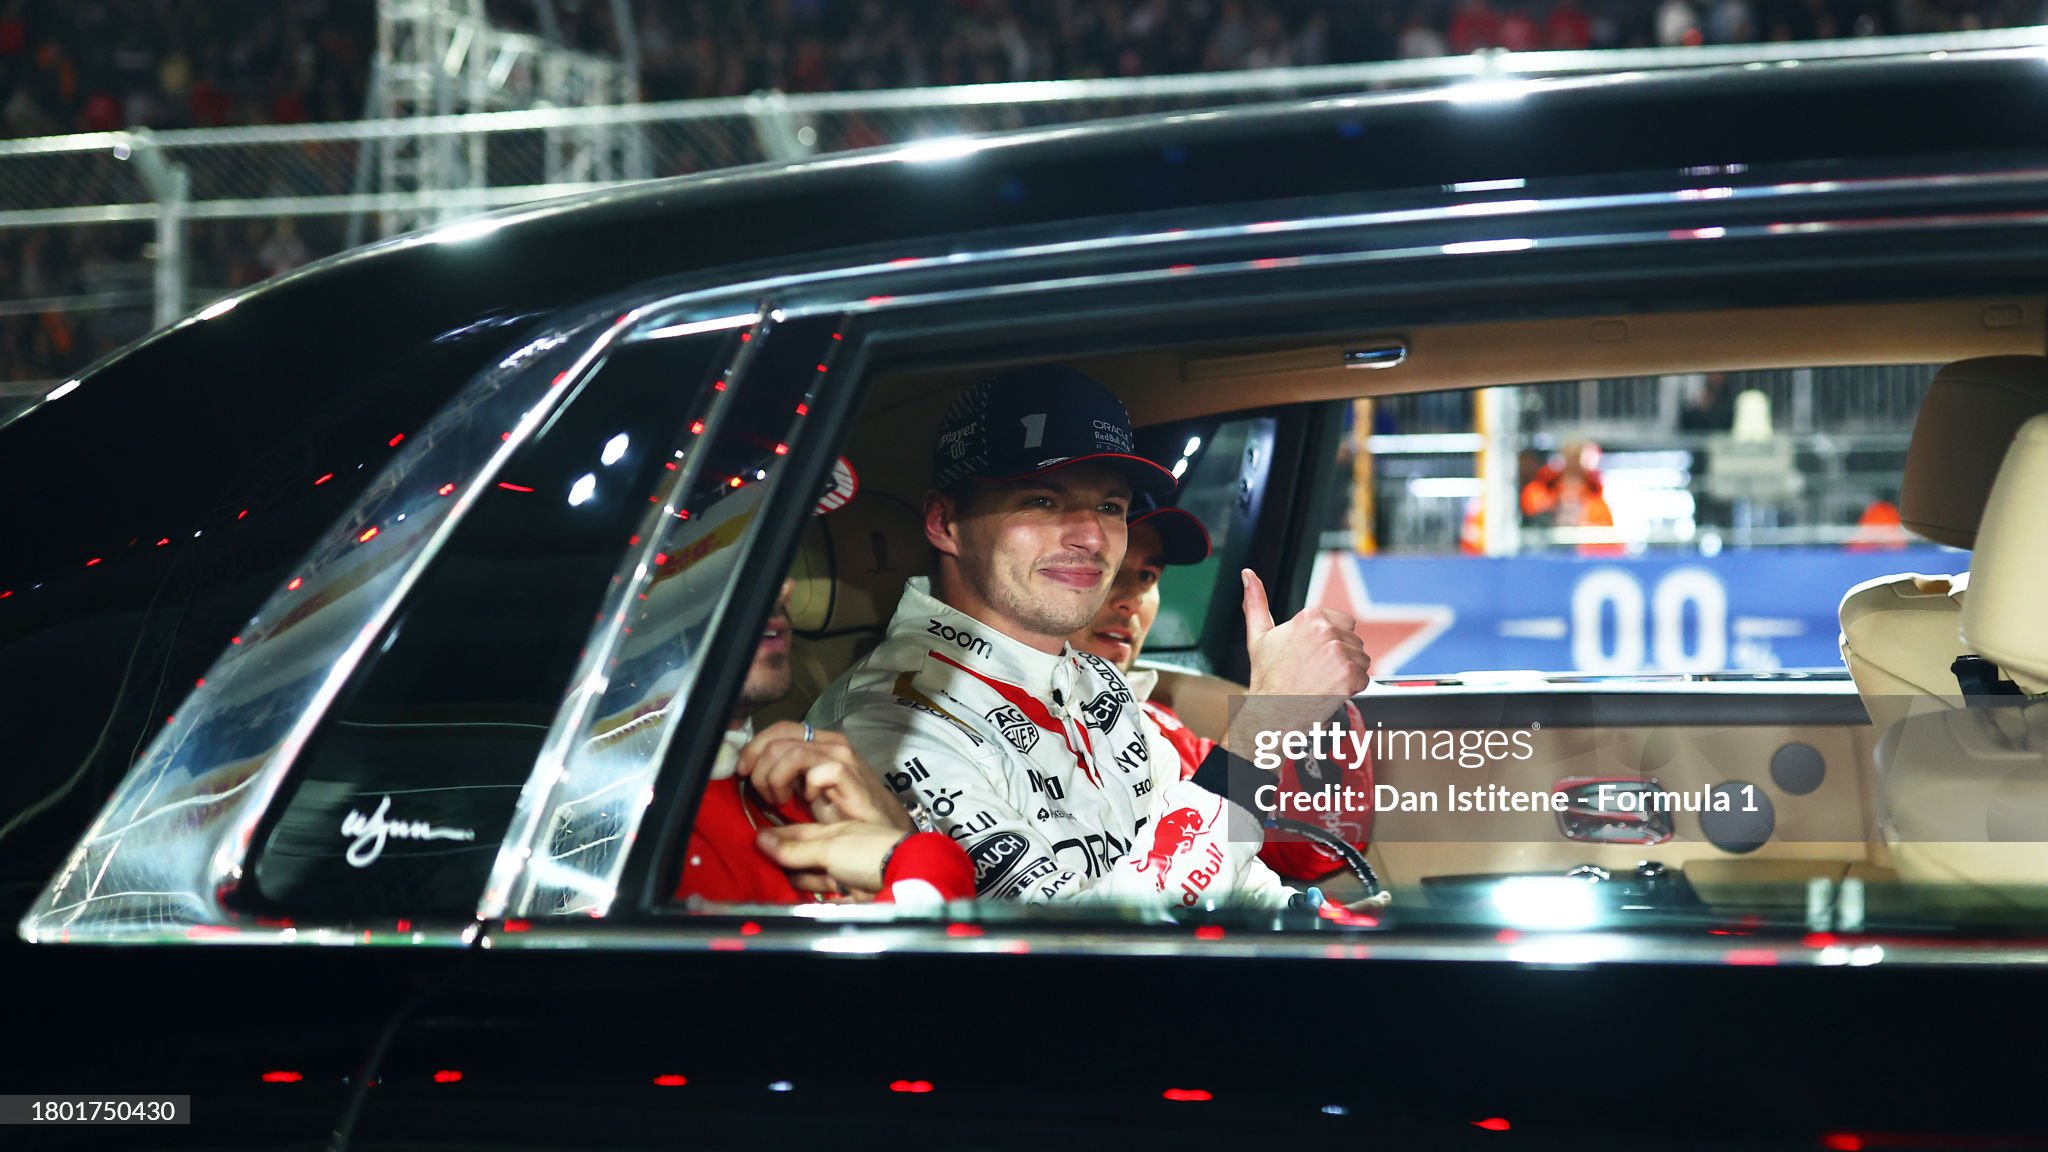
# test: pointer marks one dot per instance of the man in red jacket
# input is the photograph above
(792, 815)
(1160, 537)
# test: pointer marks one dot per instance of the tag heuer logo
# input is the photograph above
(1017, 728)
(1103, 710)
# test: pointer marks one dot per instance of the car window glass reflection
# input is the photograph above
(437, 736)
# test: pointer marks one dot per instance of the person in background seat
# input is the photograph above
(1162, 536)
(792, 815)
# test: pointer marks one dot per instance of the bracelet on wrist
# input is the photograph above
(891, 855)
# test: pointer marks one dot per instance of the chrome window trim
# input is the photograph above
(848, 289)
(1789, 192)
(848, 935)
(564, 777)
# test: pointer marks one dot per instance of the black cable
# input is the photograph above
(1352, 857)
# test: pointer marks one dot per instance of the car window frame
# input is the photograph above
(980, 287)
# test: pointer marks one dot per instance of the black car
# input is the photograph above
(367, 638)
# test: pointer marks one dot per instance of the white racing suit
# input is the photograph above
(1041, 766)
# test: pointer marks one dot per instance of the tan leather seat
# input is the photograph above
(1900, 633)
(1964, 792)
(849, 574)
(2006, 618)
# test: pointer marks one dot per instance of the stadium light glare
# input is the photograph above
(941, 148)
(463, 230)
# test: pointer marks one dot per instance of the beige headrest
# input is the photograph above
(1970, 414)
(850, 571)
(2005, 617)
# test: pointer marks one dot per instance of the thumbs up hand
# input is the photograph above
(1302, 671)
(1318, 653)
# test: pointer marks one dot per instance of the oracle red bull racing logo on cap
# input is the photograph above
(1112, 437)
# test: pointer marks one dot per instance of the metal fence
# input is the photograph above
(107, 235)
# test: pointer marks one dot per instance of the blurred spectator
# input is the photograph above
(1708, 406)
(1473, 28)
(1567, 492)
(1567, 27)
(1419, 38)
(1731, 22)
(1516, 32)
(1677, 24)
(1879, 529)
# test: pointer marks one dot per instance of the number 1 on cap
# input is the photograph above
(1034, 430)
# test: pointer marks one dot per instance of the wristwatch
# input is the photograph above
(918, 816)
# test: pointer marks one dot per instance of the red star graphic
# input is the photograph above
(1394, 634)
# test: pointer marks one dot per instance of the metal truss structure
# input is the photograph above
(445, 58)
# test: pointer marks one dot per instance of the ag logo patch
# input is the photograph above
(1016, 727)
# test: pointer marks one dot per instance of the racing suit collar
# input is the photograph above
(1141, 682)
(958, 636)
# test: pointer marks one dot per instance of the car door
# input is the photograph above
(594, 990)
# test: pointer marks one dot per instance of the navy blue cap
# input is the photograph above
(1036, 419)
(1182, 539)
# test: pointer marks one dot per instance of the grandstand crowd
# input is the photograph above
(92, 65)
